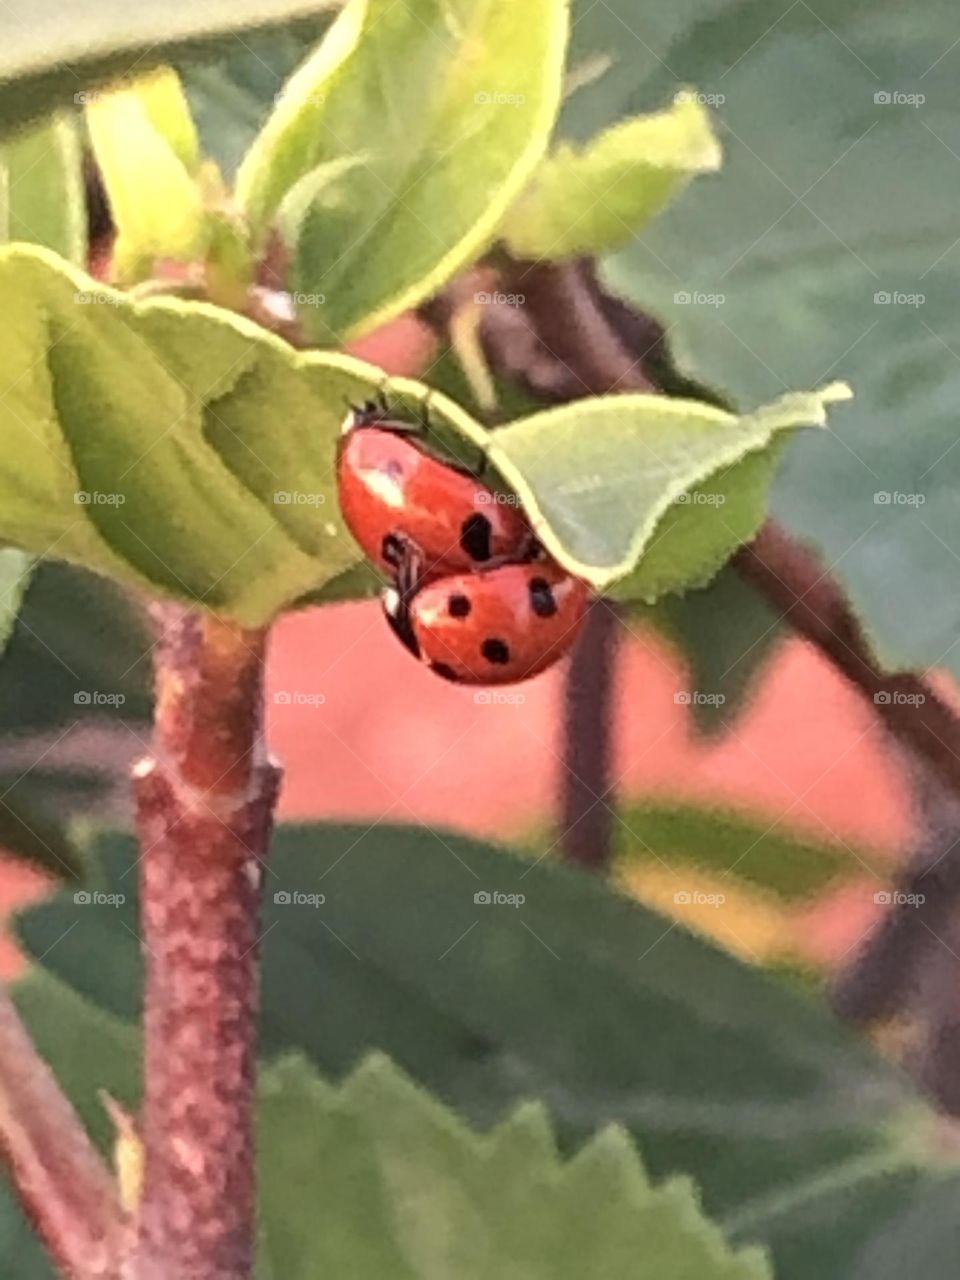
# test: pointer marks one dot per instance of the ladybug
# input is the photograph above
(494, 627)
(392, 492)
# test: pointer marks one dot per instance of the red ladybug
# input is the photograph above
(493, 627)
(393, 493)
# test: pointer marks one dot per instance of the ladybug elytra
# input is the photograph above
(497, 626)
(394, 493)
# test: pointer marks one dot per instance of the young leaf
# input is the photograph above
(41, 188)
(15, 569)
(452, 101)
(376, 1179)
(141, 136)
(595, 198)
(596, 477)
(165, 105)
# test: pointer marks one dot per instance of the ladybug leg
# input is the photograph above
(396, 599)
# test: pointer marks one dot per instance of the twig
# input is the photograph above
(65, 1187)
(205, 802)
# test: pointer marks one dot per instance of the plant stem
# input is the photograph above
(587, 820)
(205, 802)
(66, 1189)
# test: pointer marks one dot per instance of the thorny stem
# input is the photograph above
(66, 1189)
(205, 801)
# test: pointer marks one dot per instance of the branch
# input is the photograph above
(205, 803)
(790, 577)
(66, 1189)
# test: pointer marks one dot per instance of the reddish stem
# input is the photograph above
(205, 802)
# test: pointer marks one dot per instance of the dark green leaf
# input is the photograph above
(717, 1069)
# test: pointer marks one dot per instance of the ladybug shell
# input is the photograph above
(495, 627)
(391, 491)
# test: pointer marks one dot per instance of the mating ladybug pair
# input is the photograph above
(474, 595)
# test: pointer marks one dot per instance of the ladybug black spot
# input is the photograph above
(459, 606)
(496, 651)
(541, 598)
(448, 673)
(475, 535)
(392, 549)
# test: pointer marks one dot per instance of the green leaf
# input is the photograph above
(171, 445)
(449, 104)
(726, 633)
(801, 232)
(798, 1133)
(50, 51)
(143, 141)
(377, 1179)
(79, 652)
(597, 477)
(41, 182)
(42, 201)
(15, 568)
(33, 831)
(594, 198)
(721, 842)
(232, 94)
